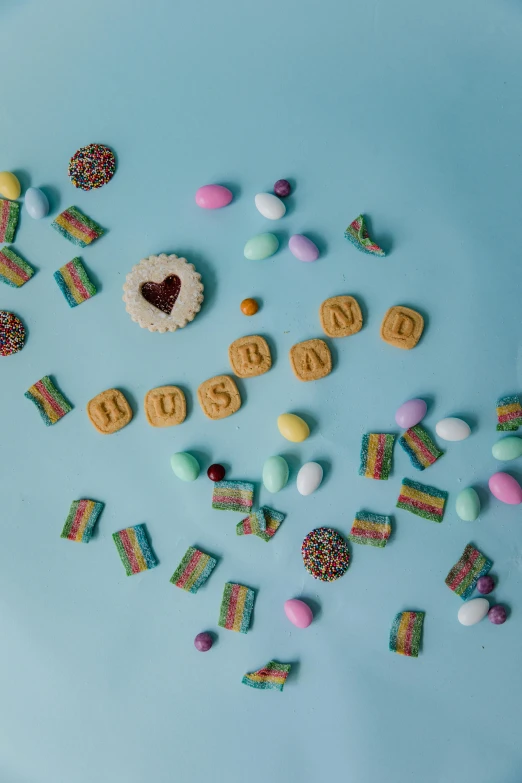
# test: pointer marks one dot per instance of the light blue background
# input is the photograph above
(409, 112)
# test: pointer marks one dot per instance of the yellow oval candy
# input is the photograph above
(9, 185)
(293, 427)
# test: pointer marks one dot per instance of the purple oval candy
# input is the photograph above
(505, 488)
(497, 614)
(411, 413)
(303, 248)
(486, 585)
(203, 642)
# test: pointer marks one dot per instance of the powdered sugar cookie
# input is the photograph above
(163, 293)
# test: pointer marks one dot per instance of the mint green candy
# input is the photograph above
(261, 246)
(185, 466)
(467, 505)
(508, 448)
(275, 473)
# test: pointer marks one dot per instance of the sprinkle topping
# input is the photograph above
(12, 333)
(325, 554)
(92, 166)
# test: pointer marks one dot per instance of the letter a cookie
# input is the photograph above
(219, 397)
(250, 356)
(311, 360)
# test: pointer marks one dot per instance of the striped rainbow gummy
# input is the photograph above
(368, 528)
(464, 575)
(252, 525)
(81, 520)
(419, 447)
(14, 270)
(236, 607)
(406, 632)
(9, 213)
(509, 413)
(271, 677)
(233, 495)
(194, 570)
(376, 455)
(74, 282)
(273, 521)
(357, 233)
(422, 500)
(134, 549)
(77, 227)
(49, 400)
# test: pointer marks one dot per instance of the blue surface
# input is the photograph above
(407, 112)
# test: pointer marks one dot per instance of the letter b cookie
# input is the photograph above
(250, 356)
(219, 397)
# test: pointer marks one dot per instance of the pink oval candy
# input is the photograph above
(506, 488)
(298, 613)
(213, 197)
(411, 413)
(303, 248)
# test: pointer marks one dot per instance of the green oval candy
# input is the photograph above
(275, 473)
(508, 448)
(467, 504)
(261, 246)
(185, 466)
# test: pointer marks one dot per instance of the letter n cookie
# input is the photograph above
(402, 327)
(311, 360)
(109, 411)
(219, 397)
(165, 406)
(250, 356)
(340, 316)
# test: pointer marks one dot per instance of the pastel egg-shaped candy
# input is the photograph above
(293, 427)
(261, 246)
(411, 413)
(452, 429)
(467, 505)
(303, 248)
(36, 203)
(275, 474)
(9, 185)
(508, 448)
(185, 466)
(309, 478)
(505, 488)
(298, 613)
(472, 612)
(213, 196)
(270, 206)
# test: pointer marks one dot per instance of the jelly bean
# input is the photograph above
(9, 185)
(505, 488)
(293, 427)
(275, 474)
(213, 197)
(36, 203)
(309, 478)
(249, 307)
(185, 466)
(473, 611)
(452, 429)
(410, 413)
(303, 248)
(298, 613)
(261, 246)
(270, 206)
(508, 448)
(467, 505)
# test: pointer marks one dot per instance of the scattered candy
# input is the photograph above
(292, 427)
(270, 206)
(9, 214)
(411, 413)
(81, 520)
(134, 549)
(465, 574)
(509, 413)
(236, 607)
(49, 400)
(213, 197)
(233, 495)
(74, 283)
(472, 612)
(77, 227)
(452, 429)
(309, 478)
(505, 488)
(508, 448)
(303, 248)
(261, 246)
(194, 570)
(12, 333)
(270, 677)
(9, 185)
(14, 271)
(216, 472)
(298, 613)
(184, 466)
(273, 521)
(406, 633)
(325, 554)
(282, 188)
(203, 642)
(36, 203)
(376, 456)
(252, 525)
(92, 166)
(419, 447)
(485, 585)
(357, 234)
(467, 505)
(275, 474)
(424, 501)
(497, 614)
(249, 307)
(372, 529)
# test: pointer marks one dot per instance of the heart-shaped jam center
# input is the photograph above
(162, 295)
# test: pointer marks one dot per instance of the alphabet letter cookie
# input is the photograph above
(340, 316)
(311, 360)
(109, 411)
(165, 406)
(402, 327)
(250, 356)
(219, 397)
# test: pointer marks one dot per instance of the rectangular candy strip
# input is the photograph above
(14, 271)
(81, 520)
(49, 400)
(509, 413)
(252, 525)
(422, 500)
(372, 529)
(419, 447)
(9, 213)
(406, 632)
(464, 575)
(194, 570)
(270, 677)
(233, 495)
(77, 227)
(273, 521)
(74, 282)
(134, 549)
(236, 607)
(376, 455)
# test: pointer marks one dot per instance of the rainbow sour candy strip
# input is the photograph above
(9, 212)
(372, 529)
(81, 520)
(357, 234)
(406, 632)
(464, 575)
(233, 495)
(376, 455)
(270, 677)
(273, 521)
(14, 270)
(49, 400)
(194, 570)
(252, 525)
(134, 549)
(422, 500)
(77, 227)
(509, 413)
(236, 607)
(419, 447)
(74, 282)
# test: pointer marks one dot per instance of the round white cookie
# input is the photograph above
(163, 293)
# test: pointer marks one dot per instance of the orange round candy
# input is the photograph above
(249, 307)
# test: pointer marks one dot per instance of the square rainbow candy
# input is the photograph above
(271, 677)
(419, 447)
(509, 413)
(81, 520)
(14, 271)
(406, 633)
(134, 549)
(422, 500)
(252, 525)
(464, 575)
(357, 234)
(372, 529)
(273, 521)
(233, 495)
(77, 227)
(74, 282)
(194, 570)
(9, 213)
(236, 607)
(49, 400)
(376, 455)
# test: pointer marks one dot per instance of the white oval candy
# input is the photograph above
(309, 478)
(270, 206)
(452, 429)
(472, 612)
(36, 203)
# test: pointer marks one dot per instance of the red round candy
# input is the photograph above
(216, 472)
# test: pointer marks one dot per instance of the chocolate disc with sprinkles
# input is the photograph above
(92, 166)
(12, 333)
(325, 554)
